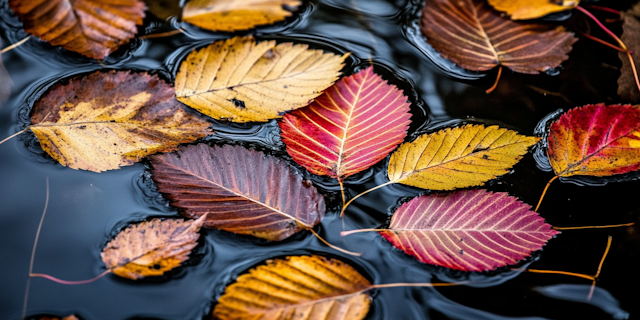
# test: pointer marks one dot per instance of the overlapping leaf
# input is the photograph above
(232, 15)
(106, 120)
(297, 288)
(458, 157)
(93, 28)
(151, 248)
(349, 128)
(241, 190)
(243, 81)
(595, 140)
(470, 230)
(532, 9)
(475, 37)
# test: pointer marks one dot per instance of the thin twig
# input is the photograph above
(346, 233)
(13, 135)
(332, 246)
(396, 285)
(15, 45)
(598, 40)
(596, 227)
(362, 194)
(54, 279)
(495, 84)
(545, 192)
(162, 34)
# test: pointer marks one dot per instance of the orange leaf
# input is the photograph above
(532, 9)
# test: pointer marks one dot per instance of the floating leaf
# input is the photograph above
(106, 120)
(349, 128)
(627, 87)
(243, 81)
(151, 248)
(90, 27)
(532, 9)
(243, 191)
(475, 37)
(298, 287)
(458, 157)
(232, 15)
(470, 230)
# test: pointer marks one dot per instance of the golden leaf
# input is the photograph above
(233, 15)
(296, 288)
(242, 81)
(151, 248)
(106, 120)
(458, 158)
(532, 9)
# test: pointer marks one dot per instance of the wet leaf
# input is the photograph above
(353, 125)
(532, 9)
(164, 9)
(627, 87)
(243, 191)
(243, 81)
(458, 157)
(232, 15)
(5, 82)
(103, 121)
(469, 230)
(297, 288)
(151, 248)
(475, 37)
(595, 140)
(90, 27)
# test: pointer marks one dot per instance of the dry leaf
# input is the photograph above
(242, 81)
(106, 120)
(532, 9)
(233, 15)
(458, 158)
(151, 248)
(297, 288)
(627, 87)
(93, 28)
(241, 190)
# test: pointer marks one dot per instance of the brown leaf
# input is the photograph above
(103, 121)
(93, 28)
(471, 34)
(243, 191)
(627, 88)
(297, 288)
(5, 82)
(151, 248)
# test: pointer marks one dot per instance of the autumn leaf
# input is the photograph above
(353, 125)
(151, 248)
(231, 15)
(103, 121)
(627, 87)
(532, 9)
(243, 191)
(243, 81)
(93, 28)
(298, 287)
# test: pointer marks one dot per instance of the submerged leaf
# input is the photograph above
(595, 140)
(532, 9)
(107, 120)
(151, 248)
(458, 157)
(233, 15)
(297, 288)
(243, 81)
(241, 190)
(354, 124)
(470, 230)
(90, 27)
(475, 37)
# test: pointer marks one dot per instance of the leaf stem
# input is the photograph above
(362, 194)
(427, 284)
(596, 227)
(343, 197)
(346, 233)
(573, 274)
(588, 36)
(15, 45)
(332, 246)
(495, 84)
(605, 9)
(13, 135)
(162, 34)
(545, 192)
(46, 276)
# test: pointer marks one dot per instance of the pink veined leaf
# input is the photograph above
(469, 230)
(350, 127)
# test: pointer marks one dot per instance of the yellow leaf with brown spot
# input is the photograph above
(532, 9)
(234, 15)
(244, 81)
(151, 248)
(107, 120)
(460, 157)
(297, 288)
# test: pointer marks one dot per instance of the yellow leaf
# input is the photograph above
(234, 15)
(151, 248)
(242, 81)
(458, 158)
(532, 9)
(297, 288)
(106, 120)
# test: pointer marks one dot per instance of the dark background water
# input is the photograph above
(87, 209)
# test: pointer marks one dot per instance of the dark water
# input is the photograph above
(87, 209)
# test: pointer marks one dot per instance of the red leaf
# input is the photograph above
(470, 230)
(350, 127)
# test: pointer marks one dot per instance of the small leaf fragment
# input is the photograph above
(627, 86)
(532, 9)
